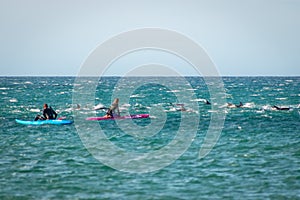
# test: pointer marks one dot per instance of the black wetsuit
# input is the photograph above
(49, 113)
(277, 108)
(112, 110)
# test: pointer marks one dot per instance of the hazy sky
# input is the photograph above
(242, 37)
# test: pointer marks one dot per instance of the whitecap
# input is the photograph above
(267, 116)
(281, 99)
(228, 96)
(198, 100)
(34, 110)
(99, 106)
(248, 105)
(68, 109)
(123, 109)
(13, 100)
(267, 107)
(223, 106)
(260, 111)
(231, 106)
(171, 110)
(174, 91)
(136, 96)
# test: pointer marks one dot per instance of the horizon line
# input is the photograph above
(149, 76)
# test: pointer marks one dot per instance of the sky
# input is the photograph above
(242, 37)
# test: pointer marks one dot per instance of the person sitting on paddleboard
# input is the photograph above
(113, 111)
(48, 113)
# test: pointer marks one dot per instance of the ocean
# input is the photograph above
(256, 154)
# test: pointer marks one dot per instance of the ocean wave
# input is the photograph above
(13, 100)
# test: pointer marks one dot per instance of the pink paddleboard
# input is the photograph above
(139, 116)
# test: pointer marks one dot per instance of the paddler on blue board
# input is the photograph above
(48, 113)
(113, 111)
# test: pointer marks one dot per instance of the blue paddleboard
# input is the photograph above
(41, 122)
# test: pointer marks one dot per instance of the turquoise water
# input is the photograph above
(256, 157)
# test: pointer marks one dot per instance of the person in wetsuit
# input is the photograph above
(113, 111)
(279, 108)
(230, 105)
(181, 107)
(207, 102)
(48, 113)
(240, 105)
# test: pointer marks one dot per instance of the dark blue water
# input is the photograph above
(256, 157)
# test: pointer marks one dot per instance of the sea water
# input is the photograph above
(257, 155)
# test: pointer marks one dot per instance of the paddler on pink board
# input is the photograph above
(113, 111)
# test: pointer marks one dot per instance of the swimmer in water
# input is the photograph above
(181, 107)
(207, 102)
(230, 105)
(178, 107)
(240, 105)
(279, 108)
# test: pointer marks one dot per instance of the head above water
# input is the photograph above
(45, 105)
